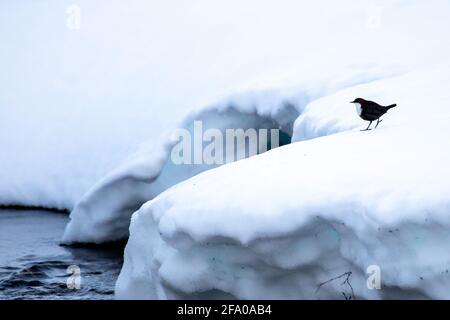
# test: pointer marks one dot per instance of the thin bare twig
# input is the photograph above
(347, 276)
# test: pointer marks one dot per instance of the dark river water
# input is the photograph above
(34, 266)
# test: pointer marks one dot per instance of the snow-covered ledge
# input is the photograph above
(103, 213)
(308, 219)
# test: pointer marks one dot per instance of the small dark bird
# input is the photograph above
(370, 111)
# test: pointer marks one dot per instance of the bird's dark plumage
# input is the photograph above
(371, 111)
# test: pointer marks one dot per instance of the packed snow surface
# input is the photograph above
(280, 224)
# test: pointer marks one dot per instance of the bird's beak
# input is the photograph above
(352, 101)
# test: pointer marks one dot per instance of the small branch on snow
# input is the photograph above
(347, 276)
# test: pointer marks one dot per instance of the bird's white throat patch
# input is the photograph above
(358, 108)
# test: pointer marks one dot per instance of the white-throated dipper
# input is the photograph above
(370, 111)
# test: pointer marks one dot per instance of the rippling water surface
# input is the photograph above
(34, 266)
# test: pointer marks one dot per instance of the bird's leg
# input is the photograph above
(378, 122)
(368, 127)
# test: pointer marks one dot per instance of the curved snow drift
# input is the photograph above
(313, 211)
(104, 213)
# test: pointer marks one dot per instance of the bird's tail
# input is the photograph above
(391, 106)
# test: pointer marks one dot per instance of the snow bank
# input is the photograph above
(103, 214)
(307, 219)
